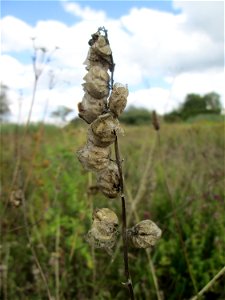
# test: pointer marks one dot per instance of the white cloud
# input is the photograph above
(185, 50)
(85, 13)
(16, 34)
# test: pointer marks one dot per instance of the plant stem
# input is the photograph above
(124, 221)
(209, 284)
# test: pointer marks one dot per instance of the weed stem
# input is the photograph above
(124, 221)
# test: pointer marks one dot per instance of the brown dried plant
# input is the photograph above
(101, 110)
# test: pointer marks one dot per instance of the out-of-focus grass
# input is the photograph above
(184, 195)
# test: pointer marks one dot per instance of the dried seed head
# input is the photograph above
(155, 120)
(103, 231)
(105, 214)
(97, 82)
(118, 99)
(94, 59)
(94, 158)
(16, 197)
(145, 234)
(102, 131)
(108, 181)
(90, 108)
(102, 47)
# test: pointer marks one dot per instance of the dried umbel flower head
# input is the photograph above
(97, 82)
(103, 231)
(90, 108)
(145, 234)
(118, 99)
(102, 131)
(109, 181)
(94, 158)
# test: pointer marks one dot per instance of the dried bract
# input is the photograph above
(102, 131)
(94, 158)
(145, 234)
(108, 181)
(118, 99)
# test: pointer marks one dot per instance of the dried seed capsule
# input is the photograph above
(94, 158)
(90, 108)
(102, 131)
(102, 47)
(105, 214)
(108, 180)
(95, 60)
(97, 82)
(118, 99)
(103, 231)
(145, 234)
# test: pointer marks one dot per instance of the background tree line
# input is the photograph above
(194, 105)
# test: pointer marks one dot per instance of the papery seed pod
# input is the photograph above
(16, 197)
(103, 231)
(118, 99)
(97, 82)
(102, 131)
(145, 234)
(102, 48)
(94, 59)
(89, 111)
(105, 214)
(108, 181)
(94, 158)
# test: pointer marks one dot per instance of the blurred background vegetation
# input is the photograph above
(183, 193)
(174, 176)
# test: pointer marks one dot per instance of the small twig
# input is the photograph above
(124, 221)
(209, 284)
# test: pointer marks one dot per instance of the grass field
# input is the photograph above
(175, 178)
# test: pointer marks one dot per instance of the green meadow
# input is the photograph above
(174, 177)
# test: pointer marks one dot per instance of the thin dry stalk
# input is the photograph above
(209, 284)
(90, 201)
(124, 222)
(177, 222)
(33, 250)
(57, 251)
(147, 251)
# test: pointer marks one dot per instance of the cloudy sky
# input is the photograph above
(162, 50)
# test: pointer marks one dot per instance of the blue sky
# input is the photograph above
(32, 11)
(163, 49)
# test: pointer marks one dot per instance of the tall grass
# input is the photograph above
(183, 189)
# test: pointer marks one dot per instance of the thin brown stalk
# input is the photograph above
(57, 242)
(124, 222)
(90, 201)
